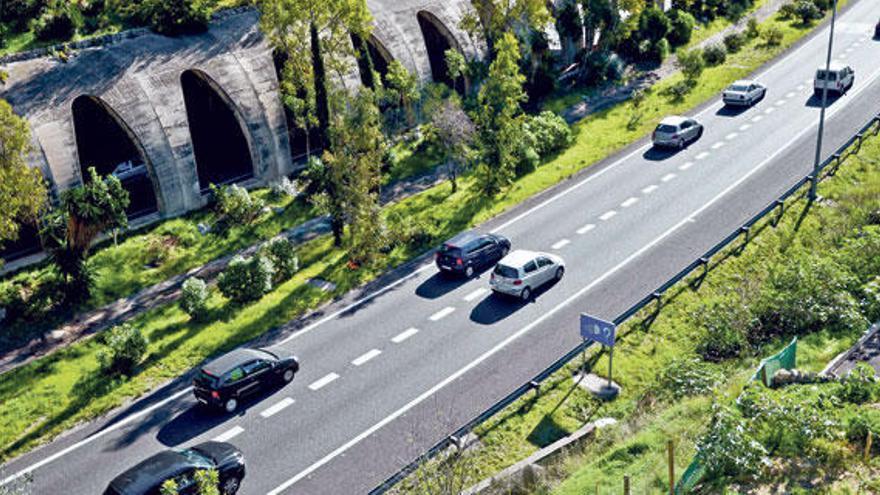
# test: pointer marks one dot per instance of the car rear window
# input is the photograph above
(666, 128)
(450, 250)
(207, 378)
(823, 75)
(506, 271)
(737, 87)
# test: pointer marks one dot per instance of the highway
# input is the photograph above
(384, 379)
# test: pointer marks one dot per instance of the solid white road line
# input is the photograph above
(320, 383)
(731, 136)
(683, 166)
(718, 145)
(607, 215)
(650, 189)
(443, 313)
(475, 294)
(229, 434)
(277, 408)
(668, 177)
(405, 335)
(366, 357)
(702, 155)
(745, 127)
(560, 244)
(586, 228)
(428, 393)
(629, 202)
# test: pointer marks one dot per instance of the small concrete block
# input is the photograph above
(603, 422)
(597, 385)
(57, 335)
(324, 285)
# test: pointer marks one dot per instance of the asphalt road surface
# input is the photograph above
(383, 380)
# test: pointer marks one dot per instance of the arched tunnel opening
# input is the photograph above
(28, 243)
(302, 142)
(221, 150)
(438, 39)
(104, 141)
(375, 55)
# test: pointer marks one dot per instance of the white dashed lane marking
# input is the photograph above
(404, 335)
(607, 215)
(703, 155)
(683, 166)
(229, 434)
(277, 408)
(745, 127)
(780, 103)
(790, 94)
(586, 228)
(443, 313)
(366, 357)
(668, 177)
(800, 87)
(732, 135)
(769, 110)
(629, 202)
(322, 382)
(473, 295)
(757, 118)
(650, 189)
(717, 145)
(561, 244)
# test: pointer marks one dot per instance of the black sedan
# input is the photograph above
(469, 252)
(147, 477)
(225, 381)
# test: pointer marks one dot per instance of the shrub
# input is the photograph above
(726, 325)
(686, 377)
(194, 298)
(859, 385)
(598, 67)
(658, 51)
(207, 481)
(17, 13)
(727, 448)
(752, 28)
(871, 299)
(176, 17)
(653, 25)
(314, 177)
(54, 24)
(236, 204)
(787, 11)
(772, 36)
(860, 423)
(714, 54)
(691, 63)
(551, 132)
(681, 26)
(807, 11)
(676, 92)
(734, 42)
(282, 253)
(125, 346)
(246, 279)
(283, 188)
(408, 231)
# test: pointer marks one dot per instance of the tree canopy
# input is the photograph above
(22, 189)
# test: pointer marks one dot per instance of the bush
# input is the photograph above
(282, 253)
(787, 11)
(752, 28)
(772, 36)
(860, 423)
(653, 25)
(685, 377)
(859, 385)
(314, 177)
(283, 188)
(598, 67)
(734, 42)
(176, 17)
(246, 279)
(125, 348)
(17, 13)
(54, 24)
(807, 11)
(726, 325)
(727, 448)
(676, 92)
(714, 55)
(681, 26)
(194, 298)
(659, 51)
(236, 204)
(691, 63)
(551, 133)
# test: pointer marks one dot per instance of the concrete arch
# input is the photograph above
(135, 154)
(380, 57)
(437, 39)
(241, 147)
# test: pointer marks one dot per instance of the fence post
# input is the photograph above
(626, 484)
(670, 451)
(780, 209)
(868, 446)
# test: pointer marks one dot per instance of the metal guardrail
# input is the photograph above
(829, 166)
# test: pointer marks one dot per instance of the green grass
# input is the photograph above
(51, 394)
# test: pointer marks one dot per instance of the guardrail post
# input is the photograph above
(626, 484)
(536, 387)
(745, 231)
(877, 128)
(780, 209)
(813, 184)
(861, 137)
(833, 169)
(698, 281)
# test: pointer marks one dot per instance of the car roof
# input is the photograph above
(518, 258)
(232, 359)
(743, 82)
(463, 238)
(146, 474)
(675, 120)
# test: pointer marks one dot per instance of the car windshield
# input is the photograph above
(506, 271)
(666, 128)
(737, 87)
(823, 75)
(197, 458)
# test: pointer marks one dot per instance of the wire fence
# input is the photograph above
(827, 168)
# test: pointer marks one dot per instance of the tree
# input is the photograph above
(401, 90)
(455, 134)
(22, 190)
(493, 19)
(125, 349)
(314, 37)
(86, 211)
(194, 298)
(500, 119)
(691, 64)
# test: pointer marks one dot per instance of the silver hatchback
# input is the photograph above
(677, 132)
(521, 272)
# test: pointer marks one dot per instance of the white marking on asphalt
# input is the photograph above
(475, 294)
(229, 434)
(745, 127)
(702, 155)
(366, 357)
(668, 177)
(769, 110)
(800, 87)
(717, 145)
(277, 408)
(322, 382)
(732, 135)
(404, 335)
(841, 56)
(848, 50)
(683, 166)
(607, 215)
(586, 228)
(443, 313)
(629, 202)
(780, 103)
(808, 81)
(650, 189)
(790, 94)
(561, 244)
(757, 118)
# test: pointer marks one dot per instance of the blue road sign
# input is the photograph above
(601, 331)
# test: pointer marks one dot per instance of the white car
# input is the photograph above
(744, 92)
(838, 79)
(521, 272)
(677, 132)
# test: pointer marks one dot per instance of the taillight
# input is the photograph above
(458, 261)
(436, 254)
(215, 394)
(517, 282)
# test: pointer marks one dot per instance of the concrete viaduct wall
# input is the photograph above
(138, 77)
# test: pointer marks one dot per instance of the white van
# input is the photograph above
(838, 79)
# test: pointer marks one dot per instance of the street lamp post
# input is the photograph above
(815, 180)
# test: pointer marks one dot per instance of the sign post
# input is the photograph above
(605, 333)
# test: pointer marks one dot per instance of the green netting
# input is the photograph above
(691, 476)
(784, 359)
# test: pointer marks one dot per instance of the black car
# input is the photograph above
(226, 380)
(147, 477)
(469, 252)
(877, 31)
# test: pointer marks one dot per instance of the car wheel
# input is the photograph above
(288, 375)
(469, 272)
(680, 144)
(230, 486)
(699, 133)
(526, 294)
(230, 405)
(560, 272)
